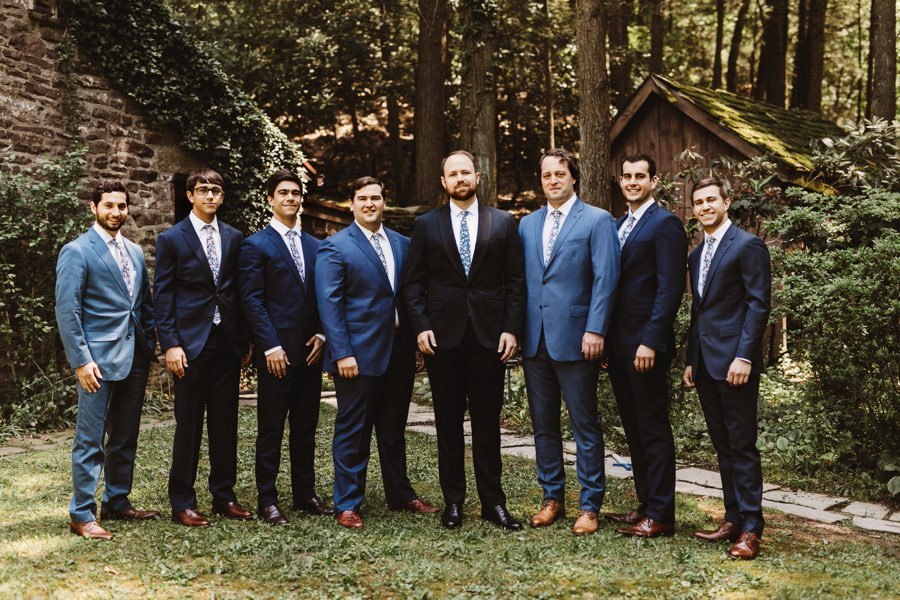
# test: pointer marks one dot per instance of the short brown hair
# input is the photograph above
(107, 187)
(465, 153)
(636, 158)
(278, 176)
(566, 157)
(203, 176)
(723, 185)
(362, 182)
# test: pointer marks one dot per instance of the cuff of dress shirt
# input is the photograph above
(271, 350)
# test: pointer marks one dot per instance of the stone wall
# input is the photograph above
(121, 141)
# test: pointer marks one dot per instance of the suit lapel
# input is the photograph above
(636, 230)
(399, 257)
(192, 239)
(106, 257)
(538, 234)
(448, 240)
(137, 263)
(567, 227)
(721, 251)
(362, 242)
(484, 238)
(281, 249)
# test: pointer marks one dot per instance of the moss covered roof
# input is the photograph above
(783, 134)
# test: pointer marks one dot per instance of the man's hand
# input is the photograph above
(245, 360)
(738, 373)
(176, 361)
(315, 355)
(89, 377)
(592, 345)
(426, 342)
(277, 363)
(507, 346)
(420, 362)
(688, 377)
(644, 359)
(347, 367)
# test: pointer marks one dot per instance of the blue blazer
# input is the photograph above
(729, 320)
(651, 285)
(574, 293)
(280, 307)
(356, 302)
(98, 321)
(186, 295)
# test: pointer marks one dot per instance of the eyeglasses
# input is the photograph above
(204, 191)
(283, 194)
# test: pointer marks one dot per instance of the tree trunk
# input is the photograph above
(478, 102)
(720, 36)
(620, 14)
(395, 149)
(883, 50)
(771, 83)
(657, 36)
(430, 101)
(734, 52)
(809, 60)
(593, 105)
(548, 81)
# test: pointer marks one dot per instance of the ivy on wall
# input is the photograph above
(150, 57)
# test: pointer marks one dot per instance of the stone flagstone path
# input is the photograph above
(690, 480)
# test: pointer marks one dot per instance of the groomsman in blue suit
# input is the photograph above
(571, 270)
(202, 331)
(731, 279)
(105, 318)
(642, 345)
(277, 282)
(370, 351)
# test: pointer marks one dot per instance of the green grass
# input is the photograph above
(401, 555)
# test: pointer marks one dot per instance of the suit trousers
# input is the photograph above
(114, 413)
(643, 402)
(295, 398)
(731, 418)
(545, 380)
(472, 375)
(210, 385)
(365, 402)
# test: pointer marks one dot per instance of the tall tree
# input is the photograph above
(430, 102)
(593, 107)
(620, 14)
(720, 37)
(734, 52)
(548, 75)
(771, 81)
(883, 58)
(657, 36)
(387, 36)
(809, 59)
(478, 97)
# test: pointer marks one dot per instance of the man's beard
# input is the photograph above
(105, 224)
(462, 194)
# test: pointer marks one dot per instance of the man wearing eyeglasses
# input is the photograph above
(277, 283)
(202, 331)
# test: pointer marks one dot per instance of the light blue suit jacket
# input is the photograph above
(98, 321)
(574, 293)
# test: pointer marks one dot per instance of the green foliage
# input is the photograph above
(152, 58)
(39, 213)
(867, 157)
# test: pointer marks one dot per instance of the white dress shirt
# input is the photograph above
(107, 238)
(471, 221)
(637, 216)
(565, 209)
(217, 236)
(385, 244)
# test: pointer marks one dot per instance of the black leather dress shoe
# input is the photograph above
(499, 516)
(452, 516)
(272, 515)
(314, 506)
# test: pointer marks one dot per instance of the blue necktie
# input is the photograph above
(629, 225)
(465, 242)
(295, 253)
(554, 231)
(707, 260)
(213, 257)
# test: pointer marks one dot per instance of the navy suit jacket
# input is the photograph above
(574, 293)
(651, 285)
(186, 295)
(280, 308)
(356, 301)
(440, 297)
(98, 321)
(729, 320)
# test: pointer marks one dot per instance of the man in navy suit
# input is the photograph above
(571, 270)
(105, 318)
(202, 331)
(731, 278)
(277, 283)
(465, 290)
(642, 344)
(370, 352)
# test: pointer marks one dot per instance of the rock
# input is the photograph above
(879, 525)
(810, 500)
(693, 489)
(866, 509)
(806, 512)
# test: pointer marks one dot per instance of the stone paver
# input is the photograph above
(866, 509)
(807, 499)
(570, 447)
(693, 489)
(10, 450)
(569, 458)
(895, 517)
(879, 525)
(510, 441)
(806, 512)
(707, 478)
(614, 471)
(420, 417)
(523, 451)
(427, 429)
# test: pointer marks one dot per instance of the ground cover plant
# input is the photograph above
(399, 555)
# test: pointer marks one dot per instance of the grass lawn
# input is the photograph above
(401, 555)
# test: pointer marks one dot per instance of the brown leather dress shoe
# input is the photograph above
(272, 515)
(551, 511)
(128, 514)
(90, 530)
(416, 505)
(746, 548)
(232, 510)
(349, 519)
(585, 522)
(726, 531)
(647, 528)
(631, 518)
(314, 506)
(190, 518)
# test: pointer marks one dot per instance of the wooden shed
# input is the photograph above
(665, 117)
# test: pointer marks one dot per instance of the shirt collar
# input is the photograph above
(640, 212)
(720, 232)
(105, 235)
(198, 223)
(370, 234)
(566, 206)
(282, 229)
(455, 210)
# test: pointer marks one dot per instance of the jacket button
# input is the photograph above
(128, 337)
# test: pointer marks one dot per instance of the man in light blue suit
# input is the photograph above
(571, 271)
(370, 351)
(105, 319)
